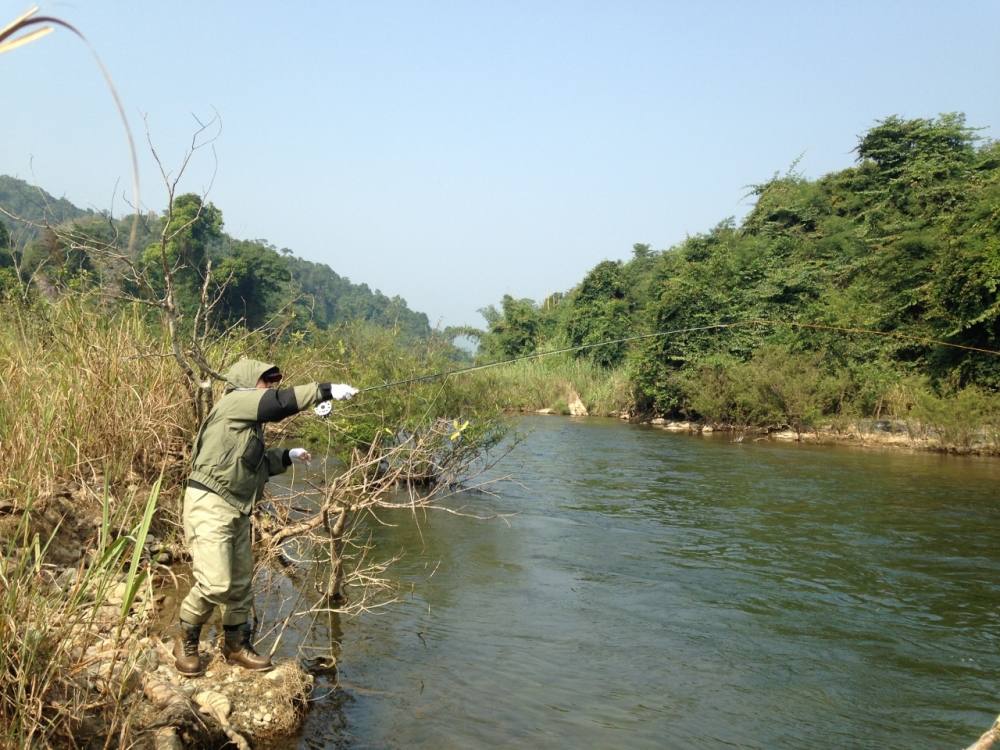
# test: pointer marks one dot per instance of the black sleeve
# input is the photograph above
(325, 391)
(286, 460)
(276, 405)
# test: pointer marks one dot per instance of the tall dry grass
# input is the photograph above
(549, 383)
(91, 413)
(85, 397)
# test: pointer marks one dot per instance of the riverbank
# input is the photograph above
(957, 437)
(86, 651)
(862, 434)
(763, 402)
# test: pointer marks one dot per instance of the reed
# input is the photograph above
(85, 398)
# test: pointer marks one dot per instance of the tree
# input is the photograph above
(599, 311)
(917, 166)
(58, 258)
(512, 331)
(253, 280)
(8, 265)
(191, 229)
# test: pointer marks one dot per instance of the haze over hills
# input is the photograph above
(263, 279)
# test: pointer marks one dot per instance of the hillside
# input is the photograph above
(257, 283)
(33, 204)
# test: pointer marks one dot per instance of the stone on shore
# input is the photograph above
(575, 405)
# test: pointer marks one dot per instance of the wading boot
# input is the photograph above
(186, 659)
(238, 649)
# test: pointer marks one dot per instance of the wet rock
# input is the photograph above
(673, 426)
(320, 665)
(785, 435)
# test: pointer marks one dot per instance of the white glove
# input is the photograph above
(301, 455)
(341, 391)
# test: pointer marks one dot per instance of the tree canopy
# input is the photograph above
(906, 243)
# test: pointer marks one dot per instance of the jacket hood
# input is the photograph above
(245, 373)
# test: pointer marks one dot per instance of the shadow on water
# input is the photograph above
(659, 590)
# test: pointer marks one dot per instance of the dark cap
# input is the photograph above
(272, 375)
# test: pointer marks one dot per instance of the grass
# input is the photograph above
(84, 399)
(91, 416)
(551, 382)
(57, 672)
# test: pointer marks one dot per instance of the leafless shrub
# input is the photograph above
(324, 532)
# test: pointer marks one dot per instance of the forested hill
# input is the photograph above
(34, 204)
(258, 283)
(905, 242)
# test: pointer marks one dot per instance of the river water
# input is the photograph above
(672, 591)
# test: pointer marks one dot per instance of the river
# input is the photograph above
(655, 590)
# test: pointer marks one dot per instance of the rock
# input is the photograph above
(166, 738)
(576, 407)
(708, 428)
(545, 411)
(66, 578)
(148, 660)
(785, 435)
(658, 421)
(115, 594)
(114, 675)
(675, 426)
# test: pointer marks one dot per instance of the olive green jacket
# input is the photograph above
(229, 457)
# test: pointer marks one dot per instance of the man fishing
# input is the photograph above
(230, 466)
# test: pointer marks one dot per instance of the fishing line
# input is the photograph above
(891, 334)
(536, 355)
(324, 408)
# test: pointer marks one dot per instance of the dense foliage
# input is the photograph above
(906, 243)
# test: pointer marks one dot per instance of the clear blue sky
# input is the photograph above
(452, 152)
